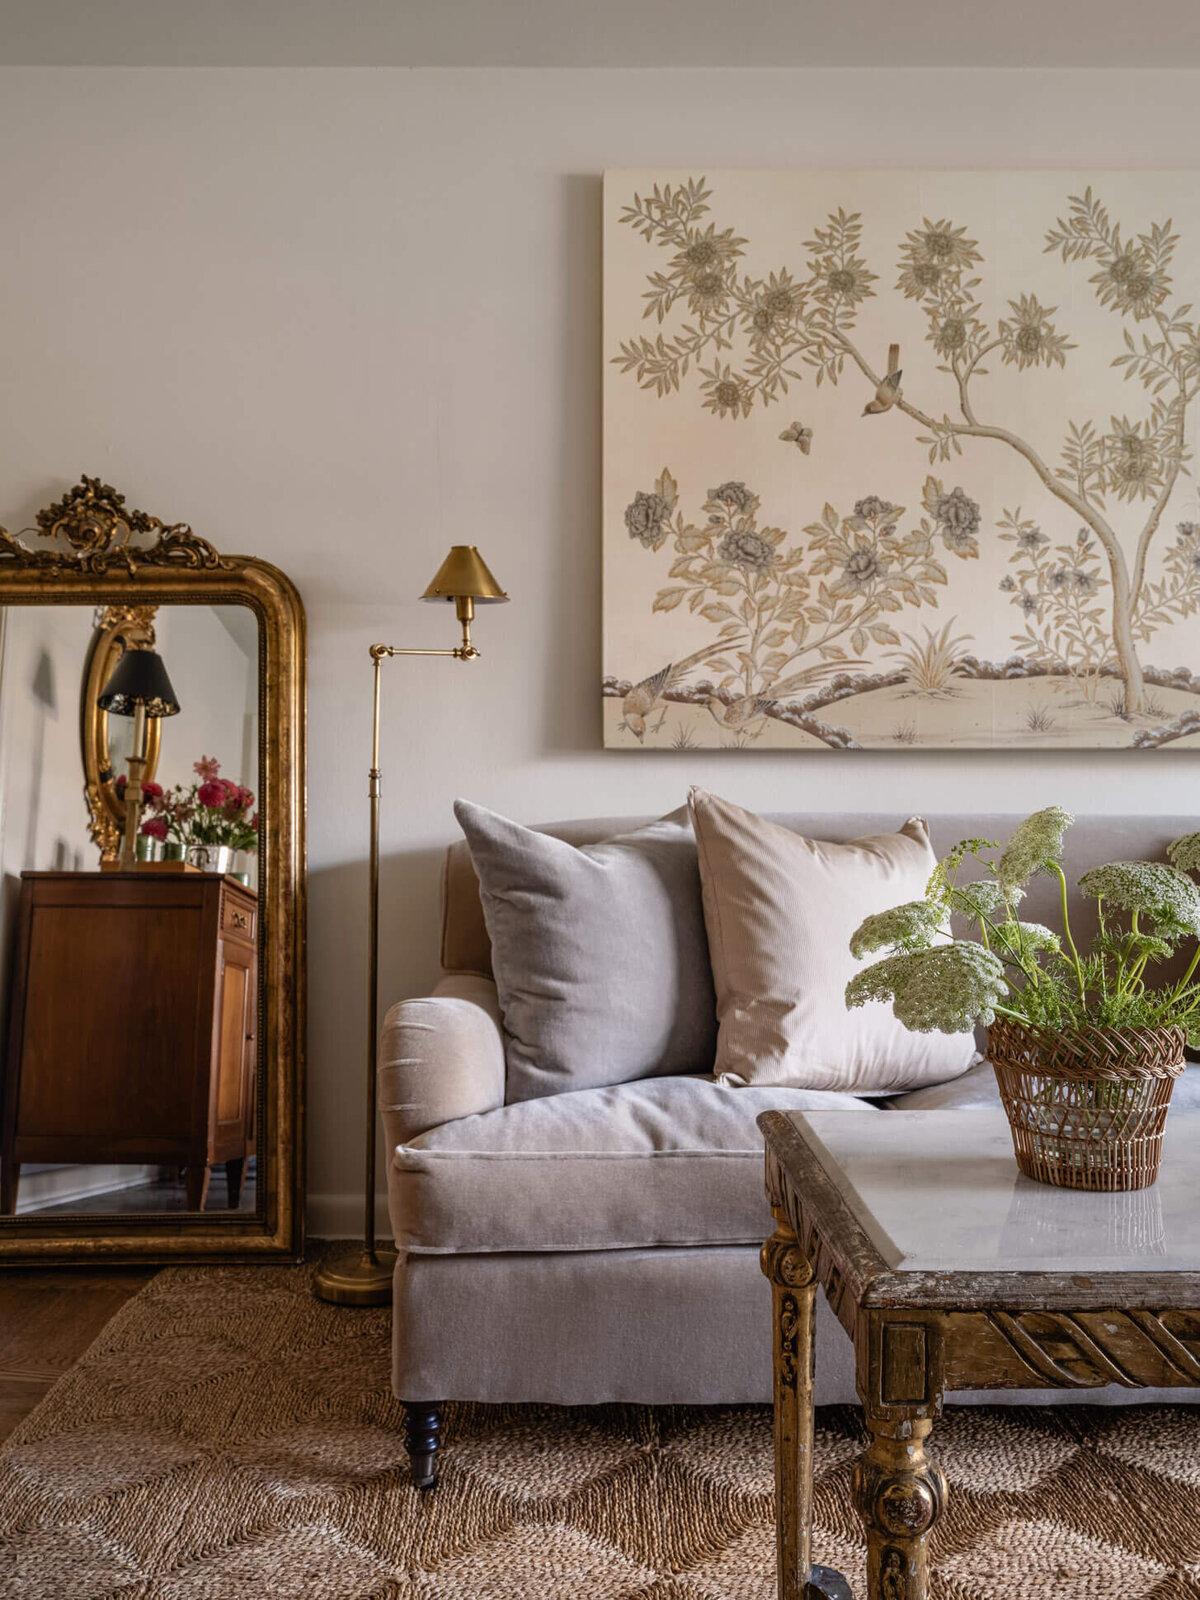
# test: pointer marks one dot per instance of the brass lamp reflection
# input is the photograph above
(364, 1277)
(139, 688)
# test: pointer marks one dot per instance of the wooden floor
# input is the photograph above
(48, 1317)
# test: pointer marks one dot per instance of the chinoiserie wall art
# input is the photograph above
(901, 459)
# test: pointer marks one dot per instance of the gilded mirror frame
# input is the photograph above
(106, 809)
(100, 553)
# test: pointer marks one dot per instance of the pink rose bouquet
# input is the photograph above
(222, 809)
(213, 810)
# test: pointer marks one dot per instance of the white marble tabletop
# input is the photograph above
(939, 1191)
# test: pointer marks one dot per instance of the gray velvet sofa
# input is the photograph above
(602, 1245)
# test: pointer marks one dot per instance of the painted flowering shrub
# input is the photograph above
(789, 614)
(1059, 592)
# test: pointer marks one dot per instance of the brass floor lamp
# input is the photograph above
(363, 1277)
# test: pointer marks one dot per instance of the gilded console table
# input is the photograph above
(950, 1271)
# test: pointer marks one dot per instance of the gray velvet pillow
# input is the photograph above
(599, 953)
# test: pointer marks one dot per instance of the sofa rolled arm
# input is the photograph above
(441, 1057)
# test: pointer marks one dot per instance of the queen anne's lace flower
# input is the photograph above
(1185, 852)
(949, 985)
(1035, 846)
(1170, 898)
(907, 927)
(1029, 936)
(944, 989)
(976, 900)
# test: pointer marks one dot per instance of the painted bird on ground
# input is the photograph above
(645, 696)
(888, 391)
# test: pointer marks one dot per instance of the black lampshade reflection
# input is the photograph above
(139, 679)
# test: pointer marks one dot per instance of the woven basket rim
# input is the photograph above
(1155, 1052)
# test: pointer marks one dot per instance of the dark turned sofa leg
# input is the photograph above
(423, 1428)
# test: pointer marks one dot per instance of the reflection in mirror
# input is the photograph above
(129, 996)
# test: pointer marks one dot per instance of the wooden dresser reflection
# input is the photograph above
(132, 1025)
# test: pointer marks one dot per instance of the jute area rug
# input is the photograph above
(228, 1436)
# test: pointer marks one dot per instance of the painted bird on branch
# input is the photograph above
(888, 391)
(644, 696)
(737, 716)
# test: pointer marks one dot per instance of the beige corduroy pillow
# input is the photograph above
(780, 910)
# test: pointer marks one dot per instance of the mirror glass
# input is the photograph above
(129, 981)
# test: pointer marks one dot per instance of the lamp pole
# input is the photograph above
(133, 791)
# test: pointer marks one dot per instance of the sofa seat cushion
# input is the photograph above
(663, 1161)
(977, 1090)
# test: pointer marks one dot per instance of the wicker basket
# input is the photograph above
(1087, 1108)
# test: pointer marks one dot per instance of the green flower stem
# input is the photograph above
(1026, 965)
(1006, 1011)
(1124, 970)
(1177, 992)
(1139, 965)
(1066, 913)
(1018, 957)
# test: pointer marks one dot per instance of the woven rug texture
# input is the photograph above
(228, 1436)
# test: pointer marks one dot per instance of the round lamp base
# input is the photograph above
(360, 1278)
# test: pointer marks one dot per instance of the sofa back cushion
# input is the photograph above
(781, 909)
(465, 945)
(598, 951)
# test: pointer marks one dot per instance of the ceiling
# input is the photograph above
(602, 33)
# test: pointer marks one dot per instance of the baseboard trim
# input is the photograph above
(340, 1216)
(62, 1183)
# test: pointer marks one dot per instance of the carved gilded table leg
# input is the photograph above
(793, 1293)
(899, 1494)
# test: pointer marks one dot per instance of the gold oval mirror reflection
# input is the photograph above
(107, 740)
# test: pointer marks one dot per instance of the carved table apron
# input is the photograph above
(920, 1332)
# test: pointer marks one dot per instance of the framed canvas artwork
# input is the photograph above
(901, 459)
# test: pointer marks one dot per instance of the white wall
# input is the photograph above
(43, 815)
(215, 677)
(345, 319)
(211, 655)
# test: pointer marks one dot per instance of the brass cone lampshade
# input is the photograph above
(464, 575)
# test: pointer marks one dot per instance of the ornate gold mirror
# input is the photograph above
(105, 738)
(152, 904)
